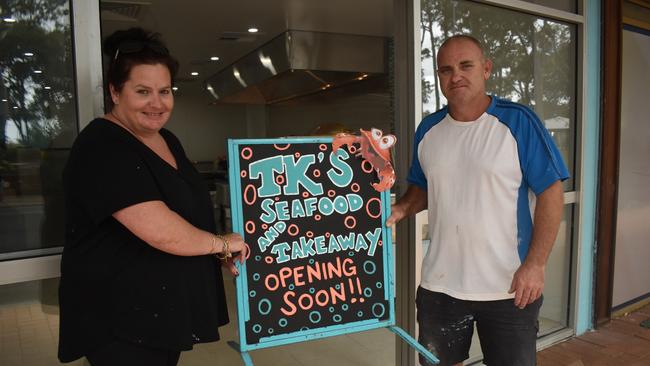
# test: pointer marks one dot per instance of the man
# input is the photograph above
(481, 166)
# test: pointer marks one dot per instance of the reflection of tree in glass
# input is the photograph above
(36, 71)
(533, 58)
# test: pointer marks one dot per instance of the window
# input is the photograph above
(534, 62)
(565, 5)
(37, 124)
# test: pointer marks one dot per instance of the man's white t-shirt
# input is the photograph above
(481, 178)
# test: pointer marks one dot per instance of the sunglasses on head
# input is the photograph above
(137, 46)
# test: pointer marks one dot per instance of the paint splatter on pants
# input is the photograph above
(507, 334)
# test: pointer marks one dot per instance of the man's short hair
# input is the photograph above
(466, 37)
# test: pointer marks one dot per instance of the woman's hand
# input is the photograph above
(239, 249)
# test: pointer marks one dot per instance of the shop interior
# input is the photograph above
(261, 69)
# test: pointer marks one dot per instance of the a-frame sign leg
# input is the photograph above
(248, 361)
(246, 358)
(413, 343)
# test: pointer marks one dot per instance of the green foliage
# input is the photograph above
(42, 28)
(534, 58)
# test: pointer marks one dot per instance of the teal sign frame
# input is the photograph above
(244, 153)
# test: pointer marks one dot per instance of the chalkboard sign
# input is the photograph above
(320, 257)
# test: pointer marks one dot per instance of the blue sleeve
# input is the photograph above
(540, 160)
(416, 175)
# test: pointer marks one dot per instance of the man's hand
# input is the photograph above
(413, 201)
(397, 212)
(528, 281)
(527, 284)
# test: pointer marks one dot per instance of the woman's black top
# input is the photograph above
(112, 283)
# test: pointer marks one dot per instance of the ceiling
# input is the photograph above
(196, 30)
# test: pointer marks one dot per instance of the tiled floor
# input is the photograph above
(29, 335)
(620, 342)
(29, 324)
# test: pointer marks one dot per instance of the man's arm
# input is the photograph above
(413, 201)
(528, 280)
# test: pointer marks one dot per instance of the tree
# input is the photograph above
(534, 59)
(40, 105)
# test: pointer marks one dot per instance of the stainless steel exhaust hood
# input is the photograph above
(297, 63)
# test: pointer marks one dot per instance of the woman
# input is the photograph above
(139, 277)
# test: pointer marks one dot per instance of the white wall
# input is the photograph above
(204, 128)
(631, 268)
(353, 106)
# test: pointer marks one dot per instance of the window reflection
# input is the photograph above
(37, 123)
(534, 62)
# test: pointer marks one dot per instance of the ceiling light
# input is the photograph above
(38, 72)
(174, 88)
(194, 73)
(15, 107)
(4, 100)
(214, 58)
(28, 54)
(9, 20)
(209, 87)
(253, 30)
(47, 88)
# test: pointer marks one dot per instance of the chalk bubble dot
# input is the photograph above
(367, 292)
(257, 328)
(359, 313)
(379, 285)
(256, 276)
(311, 261)
(283, 322)
(351, 254)
(337, 318)
(304, 328)
(314, 314)
(258, 258)
(331, 309)
(270, 330)
(246, 153)
(312, 290)
(338, 286)
(252, 293)
(369, 267)
(378, 310)
(345, 307)
(291, 286)
(264, 303)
